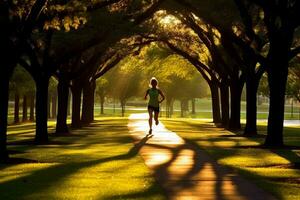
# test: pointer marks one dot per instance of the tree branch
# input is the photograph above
(194, 61)
(107, 67)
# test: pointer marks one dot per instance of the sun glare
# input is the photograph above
(169, 20)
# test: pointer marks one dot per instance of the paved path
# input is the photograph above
(184, 171)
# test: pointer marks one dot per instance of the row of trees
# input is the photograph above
(230, 43)
(245, 40)
(22, 93)
(40, 36)
(22, 89)
(130, 78)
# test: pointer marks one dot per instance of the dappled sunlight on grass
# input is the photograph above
(95, 162)
(250, 158)
(276, 170)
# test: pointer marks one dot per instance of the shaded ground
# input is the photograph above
(275, 170)
(97, 162)
(100, 162)
(184, 170)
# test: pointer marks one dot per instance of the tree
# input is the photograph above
(102, 91)
(177, 76)
(21, 84)
(126, 82)
(293, 83)
(191, 47)
(26, 25)
(281, 19)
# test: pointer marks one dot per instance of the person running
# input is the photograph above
(154, 101)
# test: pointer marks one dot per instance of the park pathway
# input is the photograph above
(184, 171)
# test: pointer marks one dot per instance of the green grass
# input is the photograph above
(203, 110)
(275, 170)
(110, 112)
(96, 162)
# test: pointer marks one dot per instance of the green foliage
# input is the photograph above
(56, 14)
(263, 88)
(52, 85)
(102, 86)
(21, 82)
(293, 83)
(177, 78)
(122, 82)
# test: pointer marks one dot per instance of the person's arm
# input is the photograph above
(146, 95)
(162, 95)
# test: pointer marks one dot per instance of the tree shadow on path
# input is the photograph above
(189, 173)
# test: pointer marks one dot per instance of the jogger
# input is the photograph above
(154, 101)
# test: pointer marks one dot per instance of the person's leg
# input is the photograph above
(150, 111)
(156, 117)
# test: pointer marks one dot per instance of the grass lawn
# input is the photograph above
(203, 110)
(96, 162)
(275, 170)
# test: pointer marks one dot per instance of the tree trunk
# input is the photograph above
(277, 78)
(4, 88)
(8, 58)
(171, 107)
(53, 103)
(76, 104)
(123, 103)
(225, 104)
(193, 106)
(251, 106)
(31, 115)
(42, 84)
(186, 105)
(69, 103)
(92, 101)
(235, 106)
(17, 108)
(62, 114)
(49, 107)
(181, 108)
(215, 100)
(87, 115)
(102, 99)
(114, 106)
(25, 115)
(168, 102)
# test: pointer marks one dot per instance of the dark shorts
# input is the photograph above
(156, 109)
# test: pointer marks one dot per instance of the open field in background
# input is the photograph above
(203, 110)
(96, 162)
(275, 170)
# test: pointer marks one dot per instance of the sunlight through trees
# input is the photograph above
(231, 44)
